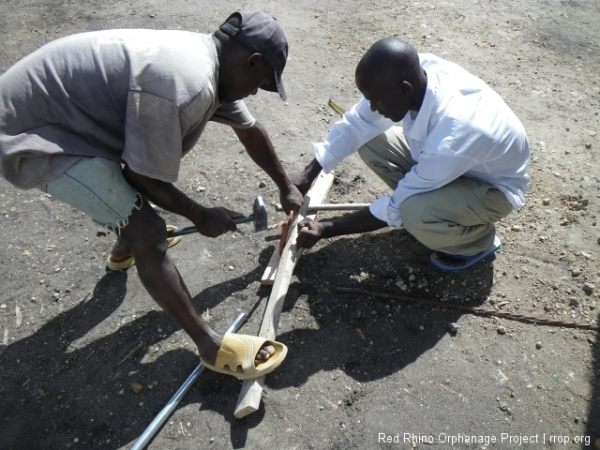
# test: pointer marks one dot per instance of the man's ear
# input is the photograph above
(406, 87)
(253, 60)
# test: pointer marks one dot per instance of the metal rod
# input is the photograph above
(164, 414)
(334, 207)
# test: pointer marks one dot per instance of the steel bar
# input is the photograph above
(333, 207)
(164, 414)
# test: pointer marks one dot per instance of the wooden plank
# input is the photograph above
(251, 393)
(317, 193)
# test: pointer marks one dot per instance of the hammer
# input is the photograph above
(259, 217)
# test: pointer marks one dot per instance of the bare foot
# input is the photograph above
(120, 251)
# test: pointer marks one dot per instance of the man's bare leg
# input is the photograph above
(145, 237)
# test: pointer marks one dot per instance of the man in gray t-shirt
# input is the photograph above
(101, 121)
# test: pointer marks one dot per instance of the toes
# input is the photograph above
(264, 354)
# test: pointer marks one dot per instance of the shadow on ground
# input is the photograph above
(367, 338)
(54, 394)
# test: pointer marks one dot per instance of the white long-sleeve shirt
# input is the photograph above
(463, 128)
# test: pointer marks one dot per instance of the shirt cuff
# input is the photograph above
(326, 162)
(383, 210)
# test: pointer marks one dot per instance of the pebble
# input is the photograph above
(576, 272)
(586, 255)
(547, 308)
(262, 184)
(503, 406)
(588, 288)
(546, 201)
(538, 345)
(516, 228)
(588, 145)
(453, 327)
(573, 302)
(501, 330)
(137, 388)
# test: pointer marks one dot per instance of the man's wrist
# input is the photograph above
(313, 169)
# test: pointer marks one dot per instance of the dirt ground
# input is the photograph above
(362, 372)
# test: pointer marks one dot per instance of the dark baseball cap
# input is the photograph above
(260, 33)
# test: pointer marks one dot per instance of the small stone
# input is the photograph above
(200, 189)
(321, 408)
(546, 201)
(586, 255)
(501, 330)
(152, 16)
(212, 439)
(547, 308)
(453, 327)
(577, 419)
(411, 278)
(137, 388)
(538, 345)
(576, 272)
(573, 302)
(76, 440)
(262, 184)
(516, 228)
(503, 406)
(588, 288)
(588, 145)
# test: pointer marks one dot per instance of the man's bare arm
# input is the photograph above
(359, 222)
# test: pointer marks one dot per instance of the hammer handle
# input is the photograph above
(189, 230)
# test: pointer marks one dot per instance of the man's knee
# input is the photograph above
(368, 152)
(412, 212)
(144, 228)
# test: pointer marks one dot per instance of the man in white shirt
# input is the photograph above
(457, 165)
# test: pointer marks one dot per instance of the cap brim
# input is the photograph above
(276, 86)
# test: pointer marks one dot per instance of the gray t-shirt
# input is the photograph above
(142, 97)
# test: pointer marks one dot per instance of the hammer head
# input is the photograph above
(260, 214)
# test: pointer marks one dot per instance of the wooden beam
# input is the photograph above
(251, 393)
(317, 193)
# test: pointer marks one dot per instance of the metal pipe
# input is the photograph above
(164, 414)
(333, 207)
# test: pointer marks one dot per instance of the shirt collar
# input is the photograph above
(416, 123)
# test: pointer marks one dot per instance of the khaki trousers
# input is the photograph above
(457, 218)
